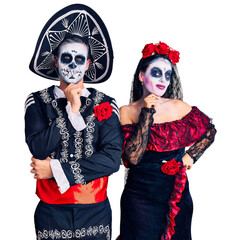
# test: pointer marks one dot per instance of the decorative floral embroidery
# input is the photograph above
(98, 98)
(45, 96)
(103, 111)
(171, 167)
(60, 123)
(76, 170)
(90, 126)
(78, 141)
(77, 234)
(87, 103)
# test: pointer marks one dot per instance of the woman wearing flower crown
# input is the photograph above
(157, 126)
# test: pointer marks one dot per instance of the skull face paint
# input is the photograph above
(157, 76)
(72, 62)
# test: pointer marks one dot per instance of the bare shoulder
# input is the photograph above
(127, 113)
(182, 108)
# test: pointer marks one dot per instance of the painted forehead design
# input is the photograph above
(160, 63)
(74, 47)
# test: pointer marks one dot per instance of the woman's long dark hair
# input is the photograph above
(174, 89)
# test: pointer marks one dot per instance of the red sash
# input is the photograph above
(93, 192)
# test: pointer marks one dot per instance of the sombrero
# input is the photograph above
(77, 20)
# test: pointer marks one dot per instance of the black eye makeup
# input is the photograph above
(79, 59)
(66, 58)
(156, 72)
(168, 75)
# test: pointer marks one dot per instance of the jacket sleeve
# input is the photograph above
(106, 159)
(41, 137)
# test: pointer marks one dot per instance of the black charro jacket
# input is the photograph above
(84, 155)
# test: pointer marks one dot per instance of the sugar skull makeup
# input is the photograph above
(72, 61)
(157, 76)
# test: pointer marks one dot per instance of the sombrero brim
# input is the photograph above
(80, 20)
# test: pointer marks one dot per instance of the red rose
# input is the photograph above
(174, 56)
(162, 48)
(148, 50)
(170, 167)
(103, 111)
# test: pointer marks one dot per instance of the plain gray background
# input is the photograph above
(206, 33)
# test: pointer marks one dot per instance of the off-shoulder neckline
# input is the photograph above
(171, 122)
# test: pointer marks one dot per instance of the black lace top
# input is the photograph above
(195, 130)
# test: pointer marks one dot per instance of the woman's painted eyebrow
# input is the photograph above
(169, 71)
(156, 68)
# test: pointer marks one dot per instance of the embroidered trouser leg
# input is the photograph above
(73, 221)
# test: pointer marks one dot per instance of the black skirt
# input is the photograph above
(145, 202)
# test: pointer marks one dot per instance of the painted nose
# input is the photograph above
(72, 65)
(162, 79)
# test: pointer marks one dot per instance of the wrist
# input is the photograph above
(75, 109)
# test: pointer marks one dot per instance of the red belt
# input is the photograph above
(93, 192)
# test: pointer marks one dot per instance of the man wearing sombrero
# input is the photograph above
(73, 132)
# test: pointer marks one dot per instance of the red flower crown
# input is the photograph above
(161, 48)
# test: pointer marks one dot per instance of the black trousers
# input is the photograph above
(73, 221)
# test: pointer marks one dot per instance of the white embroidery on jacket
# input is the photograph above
(76, 170)
(87, 103)
(89, 150)
(45, 96)
(61, 124)
(78, 141)
(78, 144)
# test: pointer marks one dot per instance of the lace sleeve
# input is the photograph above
(136, 145)
(199, 147)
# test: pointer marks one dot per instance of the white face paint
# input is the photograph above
(72, 61)
(157, 77)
